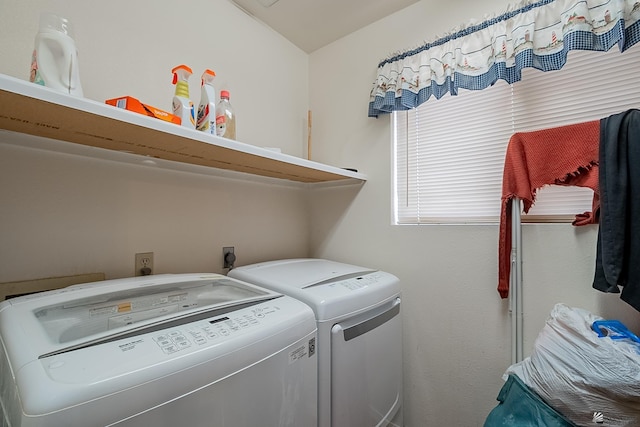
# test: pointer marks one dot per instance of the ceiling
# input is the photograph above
(312, 24)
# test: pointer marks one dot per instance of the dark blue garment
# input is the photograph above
(618, 250)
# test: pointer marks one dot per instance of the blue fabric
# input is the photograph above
(466, 31)
(397, 97)
(521, 407)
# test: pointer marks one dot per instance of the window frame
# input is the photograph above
(538, 89)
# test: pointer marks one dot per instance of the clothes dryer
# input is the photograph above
(164, 350)
(357, 311)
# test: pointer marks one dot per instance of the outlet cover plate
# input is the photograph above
(143, 260)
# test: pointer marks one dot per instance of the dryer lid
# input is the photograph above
(330, 288)
(298, 273)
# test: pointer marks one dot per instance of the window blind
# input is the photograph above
(449, 153)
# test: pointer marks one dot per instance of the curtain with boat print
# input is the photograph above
(532, 34)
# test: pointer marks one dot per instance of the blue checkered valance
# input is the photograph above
(533, 34)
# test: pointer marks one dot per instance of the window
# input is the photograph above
(449, 153)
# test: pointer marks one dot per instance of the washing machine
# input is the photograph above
(359, 335)
(164, 350)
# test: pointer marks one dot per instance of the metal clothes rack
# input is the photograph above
(515, 283)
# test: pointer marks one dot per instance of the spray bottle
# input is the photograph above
(182, 105)
(207, 108)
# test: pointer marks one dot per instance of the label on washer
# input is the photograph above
(297, 353)
(124, 306)
(102, 311)
(356, 283)
(130, 345)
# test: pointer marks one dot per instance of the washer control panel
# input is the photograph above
(208, 331)
(359, 282)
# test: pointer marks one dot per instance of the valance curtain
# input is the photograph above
(532, 35)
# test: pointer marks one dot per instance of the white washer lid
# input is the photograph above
(37, 325)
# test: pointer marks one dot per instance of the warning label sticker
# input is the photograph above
(297, 354)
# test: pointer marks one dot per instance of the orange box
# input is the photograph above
(132, 104)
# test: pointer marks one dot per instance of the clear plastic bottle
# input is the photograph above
(225, 117)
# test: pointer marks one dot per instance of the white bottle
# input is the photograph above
(207, 109)
(225, 117)
(182, 106)
(54, 62)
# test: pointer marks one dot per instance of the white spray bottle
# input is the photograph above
(207, 109)
(182, 105)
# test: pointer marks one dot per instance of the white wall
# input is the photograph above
(457, 332)
(63, 214)
(130, 47)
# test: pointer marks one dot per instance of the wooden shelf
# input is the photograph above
(31, 109)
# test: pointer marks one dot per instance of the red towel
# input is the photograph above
(566, 155)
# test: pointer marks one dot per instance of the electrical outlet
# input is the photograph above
(228, 256)
(144, 263)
